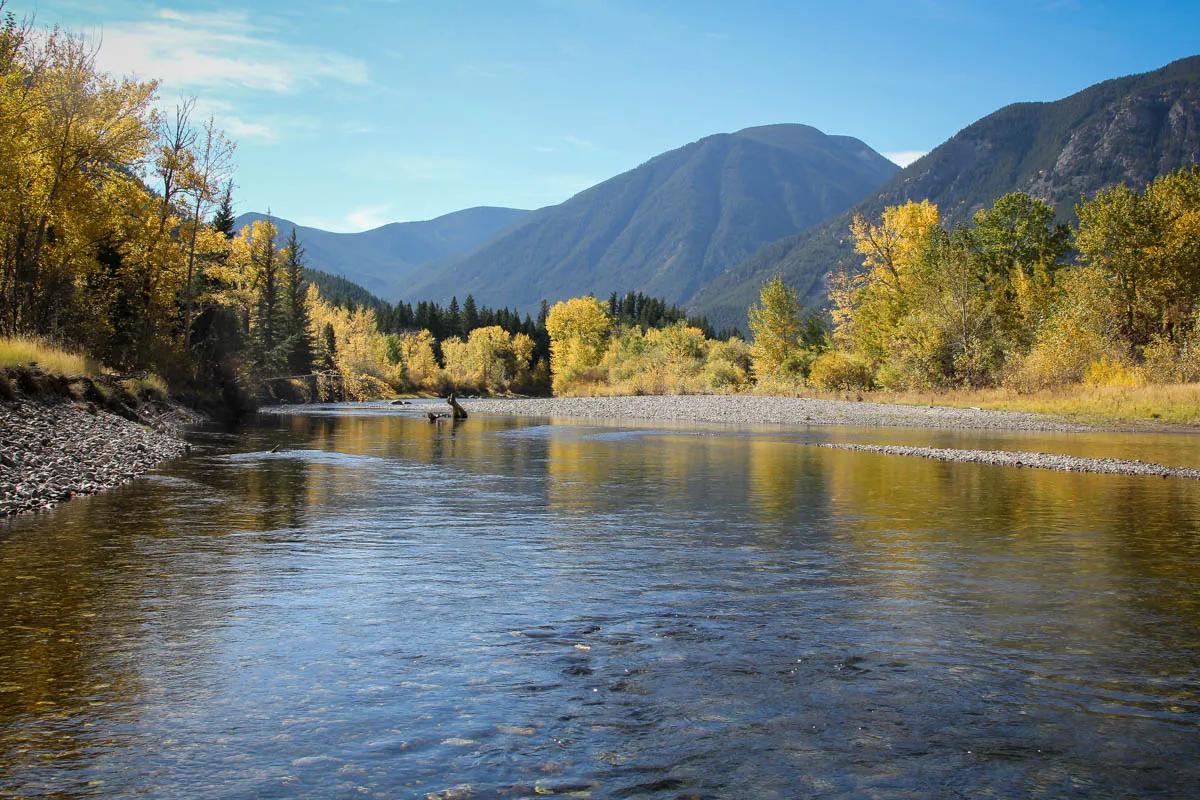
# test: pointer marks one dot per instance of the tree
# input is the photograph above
(269, 320)
(298, 341)
(775, 322)
(1118, 233)
(470, 315)
(223, 219)
(578, 330)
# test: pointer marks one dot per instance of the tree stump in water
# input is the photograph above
(457, 412)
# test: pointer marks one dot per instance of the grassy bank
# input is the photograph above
(1176, 404)
(22, 351)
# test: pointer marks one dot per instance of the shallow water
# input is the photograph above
(388, 608)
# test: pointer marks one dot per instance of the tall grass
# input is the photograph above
(1148, 403)
(24, 351)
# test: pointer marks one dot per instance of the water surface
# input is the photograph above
(388, 608)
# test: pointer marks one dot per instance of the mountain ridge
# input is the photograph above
(378, 258)
(1131, 128)
(670, 224)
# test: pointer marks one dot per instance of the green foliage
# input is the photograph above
(992, 302)
(1058, 151)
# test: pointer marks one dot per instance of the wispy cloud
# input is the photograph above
(904, 157)
(189, 51)
(579, 142)
(358, 219)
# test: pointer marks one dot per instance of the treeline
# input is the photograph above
(594, 351)
(1009, 299)
(377, 348)
(105, 239)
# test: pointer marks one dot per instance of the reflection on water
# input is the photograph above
(386, 608)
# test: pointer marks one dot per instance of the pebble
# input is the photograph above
(53, 451)
(764, 410)
(1009, 458)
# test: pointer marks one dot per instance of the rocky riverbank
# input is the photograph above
(1010, 458)
(54, 447)
(753, 409)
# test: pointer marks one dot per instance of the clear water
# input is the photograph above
(387, 608)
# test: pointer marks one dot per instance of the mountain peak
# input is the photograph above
(670, 225)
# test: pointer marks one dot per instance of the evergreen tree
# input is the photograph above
(327, 349)
(223, 220)
(297, 337)
(270, 306)
(470, 315)
(453, 318)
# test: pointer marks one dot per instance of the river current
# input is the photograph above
(389, 608)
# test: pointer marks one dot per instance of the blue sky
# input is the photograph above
(349, 115)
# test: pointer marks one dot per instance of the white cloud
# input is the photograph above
(189, 51)
(582, 144)
(904, 157)
(359, 219)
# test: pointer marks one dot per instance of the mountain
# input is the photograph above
(669, 226)
(386, 257)
(1129, 129)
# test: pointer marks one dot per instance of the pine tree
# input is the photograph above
(298, 342)
(327, 355)
(454, 318)
(470, 315)
(270, 306)
(223, 219)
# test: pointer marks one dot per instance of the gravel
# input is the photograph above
(1009, 458)
(752, 409)
(742, 409)
(53, 451)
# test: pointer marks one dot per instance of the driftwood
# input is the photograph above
(456, 412)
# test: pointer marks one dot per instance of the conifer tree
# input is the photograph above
(223, 220)
(470, 315)
(298, 344)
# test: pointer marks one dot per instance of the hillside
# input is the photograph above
(671, 225)
(1129, 129)
(386, 257)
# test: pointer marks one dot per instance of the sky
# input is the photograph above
(349, 115)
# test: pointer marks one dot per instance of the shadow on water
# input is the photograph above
(387, 607)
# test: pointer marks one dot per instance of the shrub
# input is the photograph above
(1112, 371)
(150, 387)
(835, 371)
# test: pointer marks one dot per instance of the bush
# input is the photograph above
(1112, 371)
(835, 371)
(150, 387)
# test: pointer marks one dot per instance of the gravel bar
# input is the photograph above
(753, 409)
(1009, 458)
(51, 452)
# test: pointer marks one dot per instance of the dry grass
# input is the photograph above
(1177, 404)
(24, 351)
(151, 387)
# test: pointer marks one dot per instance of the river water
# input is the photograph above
(388, 608)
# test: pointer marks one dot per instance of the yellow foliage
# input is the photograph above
(835, 371)
(417, 360)
(578, 331)
(1110, 371)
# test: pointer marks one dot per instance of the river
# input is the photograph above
(508, 607)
